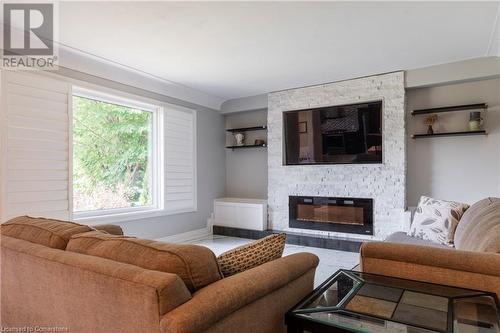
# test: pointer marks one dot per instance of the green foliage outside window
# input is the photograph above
(111, 155)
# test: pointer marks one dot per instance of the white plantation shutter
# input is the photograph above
(180, 159)
(35, 162)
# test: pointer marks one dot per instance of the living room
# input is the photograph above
(250, 166)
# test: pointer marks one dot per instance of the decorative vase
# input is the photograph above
(475, 121)
(430, 121)
(240, 139)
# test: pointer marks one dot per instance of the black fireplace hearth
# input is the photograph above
(349, 215)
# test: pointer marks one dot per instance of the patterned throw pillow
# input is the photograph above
(252, 255)
(436, 220)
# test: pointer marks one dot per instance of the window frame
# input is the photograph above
(157, 208)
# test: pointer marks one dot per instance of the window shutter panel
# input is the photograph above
(180, 159)
(35, 149)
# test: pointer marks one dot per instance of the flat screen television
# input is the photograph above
(346, 134)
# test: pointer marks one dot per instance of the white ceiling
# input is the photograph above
(236, 49)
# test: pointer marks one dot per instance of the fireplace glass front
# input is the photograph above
(351, 215)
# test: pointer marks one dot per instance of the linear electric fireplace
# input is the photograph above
(350, 215)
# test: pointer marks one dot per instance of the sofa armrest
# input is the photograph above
(112, 229)
(474, 270)
(218, 300)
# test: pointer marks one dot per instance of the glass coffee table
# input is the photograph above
(352, 301)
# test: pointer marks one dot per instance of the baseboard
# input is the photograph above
(188, 236)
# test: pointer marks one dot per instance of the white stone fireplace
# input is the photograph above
(384, 183)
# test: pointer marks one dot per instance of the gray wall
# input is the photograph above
(454, 168)
(211, 180)
(246, 169)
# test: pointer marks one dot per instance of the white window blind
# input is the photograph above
(180, 159)
(35, 142)
(35, 150)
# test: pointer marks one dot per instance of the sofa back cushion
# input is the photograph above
(48, 232)
(479, 228)
(83, 293)
(195, 265)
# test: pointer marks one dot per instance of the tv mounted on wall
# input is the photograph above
(346, 134)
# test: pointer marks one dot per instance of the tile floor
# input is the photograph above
(329, 260)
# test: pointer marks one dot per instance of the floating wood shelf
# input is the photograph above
(451, 108)
(464, 133)
(247, 129)
(247, 146)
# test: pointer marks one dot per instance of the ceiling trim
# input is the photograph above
(495, 31)
(250, 103)
(476, 69)
(455, 72)
(87, 63)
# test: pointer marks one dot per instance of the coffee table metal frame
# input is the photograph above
(297, 324)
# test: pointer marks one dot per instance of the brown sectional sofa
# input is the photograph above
(474, 261)
(48, 281)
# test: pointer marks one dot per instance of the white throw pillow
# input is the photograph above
(436, 220)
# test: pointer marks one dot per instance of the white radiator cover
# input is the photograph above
(241, 213)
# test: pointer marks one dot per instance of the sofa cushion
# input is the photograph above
(403, 238)
(195, 265)
(252, 255)
(47, 232)
(479, 228)
(109, 229)
(436, 220)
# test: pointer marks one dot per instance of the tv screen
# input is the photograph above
(334, 135)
